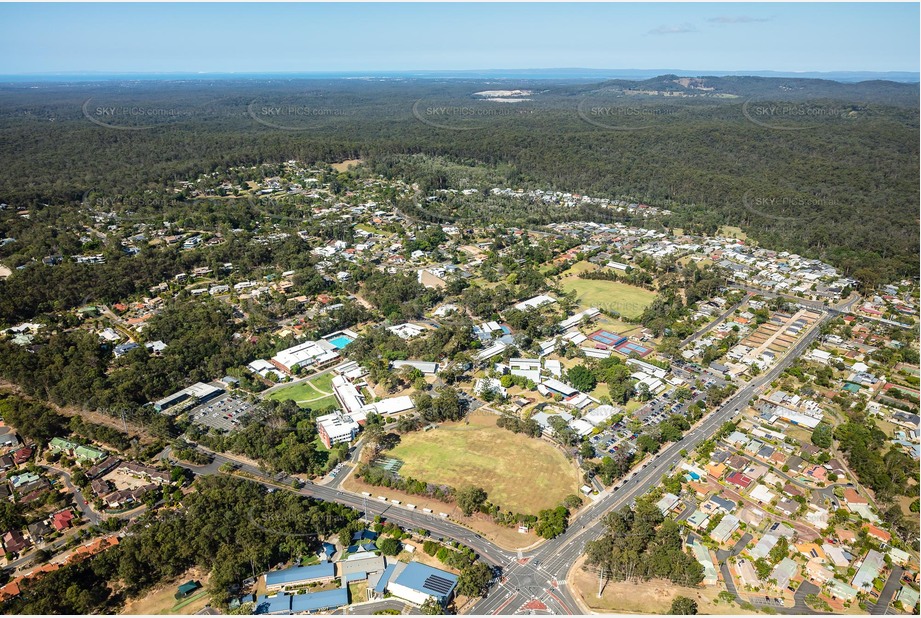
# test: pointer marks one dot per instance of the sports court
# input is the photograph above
(607, 338)
(628, 347)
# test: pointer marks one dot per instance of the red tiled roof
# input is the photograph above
(62, 520)
(737, 478)
(852, 497)
(882, 535)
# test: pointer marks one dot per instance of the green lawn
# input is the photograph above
(579, 267)
(518, 473)
(370, 229)
(312, 393)
(297, 392)
(629, 301)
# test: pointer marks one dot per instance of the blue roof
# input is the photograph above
(348, 578)
(381, 586)
(329, 549)
(295, 574)
(428, 580)
(280, 603)
(366, 547)
(365, 535)
(316, 601)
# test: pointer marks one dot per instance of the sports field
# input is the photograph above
(629, 301)
(519, 473)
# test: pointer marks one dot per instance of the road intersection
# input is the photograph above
(537, 577)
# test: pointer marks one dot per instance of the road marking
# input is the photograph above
(501, 607)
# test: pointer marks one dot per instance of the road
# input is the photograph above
(551, 562)
(843, 306)
(702, 331)
(540, 574)
(86, 511)
(364, 609)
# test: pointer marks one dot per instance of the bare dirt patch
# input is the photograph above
(122, 480)
(651, 597)
(134, 430)
(160, 600)
(346, 165)
(506, 538)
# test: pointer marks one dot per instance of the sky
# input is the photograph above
(247, 38)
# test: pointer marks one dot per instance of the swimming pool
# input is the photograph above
(340, 341)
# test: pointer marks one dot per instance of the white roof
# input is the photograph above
(561, 387)
(315, 351)
(600, 414)
(537, 301)
(349, 396)
(762, 493)
(581, 427)
(393, 405)
(337, 425)
(406, 330)
(596, 353)
(493, 350)
(577, 318)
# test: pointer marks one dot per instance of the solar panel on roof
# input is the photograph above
(438, 584)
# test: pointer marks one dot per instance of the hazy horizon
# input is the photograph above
(218, 38)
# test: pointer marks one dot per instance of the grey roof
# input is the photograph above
(727, 505)
(363, 565)
(784, 572)
(764, 546)
(870, 569)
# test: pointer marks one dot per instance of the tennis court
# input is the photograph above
(607, 338)
(627, 348)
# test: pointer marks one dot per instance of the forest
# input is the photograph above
(842, 186)
(234, 528)
(641, 544)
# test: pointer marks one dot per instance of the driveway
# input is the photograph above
(885, 597)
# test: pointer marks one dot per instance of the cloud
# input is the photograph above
(679, 29)
(737, 19)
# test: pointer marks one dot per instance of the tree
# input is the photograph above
(582, 378)
(474, 580)
(821, 435)
(431, 607)
(683, 606)
(470, 499)
(389, 546)
(572, 501)
(552, 522)
(780, 550)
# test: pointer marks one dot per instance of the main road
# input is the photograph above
(537, 577)
(542, 573)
